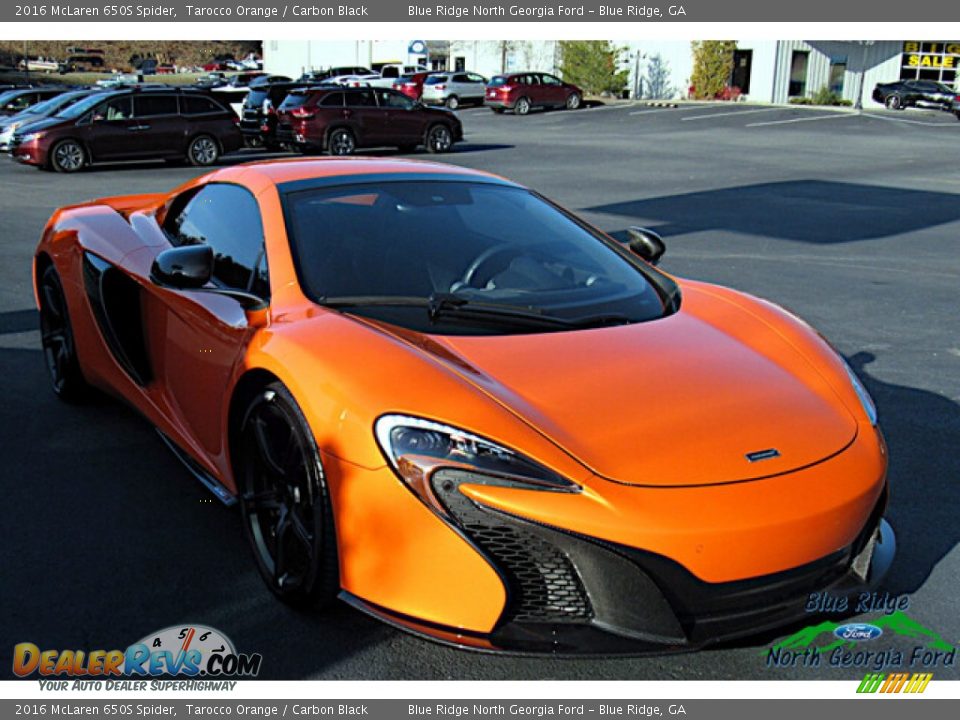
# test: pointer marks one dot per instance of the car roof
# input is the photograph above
(303, 170)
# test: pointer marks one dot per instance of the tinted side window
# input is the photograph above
(152, 105)
(332, 100)
(460, 78)
(363, 98)
(390, 72)
(227, 218)
(120, 108)
(550, 80)
(472, 77)
(194, 105)
(394, 100)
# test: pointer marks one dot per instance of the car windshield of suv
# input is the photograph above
(55, 104)
(256, 96)
(435, 79)
(498, 80)
(461, 258)
(81, 107)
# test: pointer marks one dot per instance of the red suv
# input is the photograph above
(523, 91)
(340, 120)
(130, 124)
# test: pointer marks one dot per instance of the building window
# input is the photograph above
(798, 73)
(937, 60)
(838, 70)
(740, 77)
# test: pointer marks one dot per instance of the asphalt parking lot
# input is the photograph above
(850, 220)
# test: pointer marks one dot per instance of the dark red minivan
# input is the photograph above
(340, 120)
(131, 124)
(523, 91)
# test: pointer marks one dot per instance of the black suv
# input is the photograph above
(258, 118)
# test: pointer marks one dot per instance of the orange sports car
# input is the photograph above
(451, 403)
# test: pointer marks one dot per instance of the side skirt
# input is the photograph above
(205, 478)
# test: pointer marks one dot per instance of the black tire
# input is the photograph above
(203, 151)
(68, 156)
(573, 101)
(439, 139)
(522, 106)
(56, 337)
(453, 102)
(893, 102)
(341, 142)
(285, 502)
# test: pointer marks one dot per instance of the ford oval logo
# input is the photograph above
(858, 631)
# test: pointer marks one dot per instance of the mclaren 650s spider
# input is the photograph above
(440, 397)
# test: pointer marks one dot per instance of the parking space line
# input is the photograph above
(666, 109)
(804, 119)
(908, 120)
(733, 112)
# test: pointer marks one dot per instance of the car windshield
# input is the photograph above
(436, 79)
(256, 96)
(82, 106)
(390, 250)
(8, 95)
(57, 103)
(498, 80)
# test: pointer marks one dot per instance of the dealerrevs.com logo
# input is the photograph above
(180, 650)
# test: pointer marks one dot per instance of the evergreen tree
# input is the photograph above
(594, 65)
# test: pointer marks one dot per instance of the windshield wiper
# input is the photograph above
(448, 305)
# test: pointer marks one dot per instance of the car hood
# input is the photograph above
(678, 401)
(41, 124)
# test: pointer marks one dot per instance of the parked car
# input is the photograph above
(244, 79)
(340, 120)
(452, 404)
(258, 116)
(16, 101)
(454, 89)
(9, 125)
(264, 79)
(352, 80)
(411, 85)
(523, 91)
(389, 73)
(316, 76)
(914, 93)
(131, 124)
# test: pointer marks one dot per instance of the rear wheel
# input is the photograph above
(56, 337)
(342, 142)
(68, 156)
(439, 139)
(522, 106)
(893, 102)
(203, 151)
(453, 102)
(287, 515)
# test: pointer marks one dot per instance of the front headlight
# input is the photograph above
(865, 400)
(417, 448)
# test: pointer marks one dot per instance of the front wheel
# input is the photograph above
(573, 101)
(285, 503)
(439, 139)
(68, 156)
(342, 142)
(203, 151)
(56, 337)
(894, 102)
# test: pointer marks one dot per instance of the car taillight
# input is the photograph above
(957, 99)
(398, 86)
(506, 88)
(302, 113)
(440, 87)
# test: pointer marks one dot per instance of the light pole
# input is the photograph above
(863, 71)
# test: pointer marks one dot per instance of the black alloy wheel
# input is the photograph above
(56, 337)
(287, 515)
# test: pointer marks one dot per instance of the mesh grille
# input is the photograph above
(544, 585)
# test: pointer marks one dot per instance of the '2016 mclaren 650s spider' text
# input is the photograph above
(449, 402)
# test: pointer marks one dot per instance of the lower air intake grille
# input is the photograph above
(544, 585)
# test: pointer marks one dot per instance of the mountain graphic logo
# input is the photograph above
(823, 637)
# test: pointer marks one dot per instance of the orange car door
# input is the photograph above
(198, 336)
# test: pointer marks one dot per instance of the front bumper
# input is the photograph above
(607, 599)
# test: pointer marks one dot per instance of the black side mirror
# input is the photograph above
(186, 267)
(646, 244)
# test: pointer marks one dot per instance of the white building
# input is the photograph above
(765, 71)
